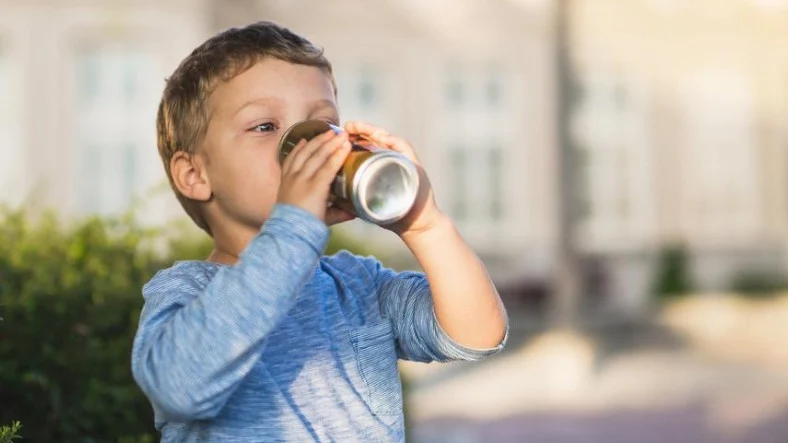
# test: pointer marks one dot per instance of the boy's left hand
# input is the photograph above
(425, 214)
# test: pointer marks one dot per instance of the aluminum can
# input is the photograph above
(377, 185)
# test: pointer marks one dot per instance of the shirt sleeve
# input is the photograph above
(405, 298)
(195, 343)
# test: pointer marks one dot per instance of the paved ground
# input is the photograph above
(616, 383)
(679, 424)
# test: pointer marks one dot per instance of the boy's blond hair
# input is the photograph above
(184, 111)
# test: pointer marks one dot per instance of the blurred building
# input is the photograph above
(675, 119)
(471, 85)
(80, 83)
(680, 134)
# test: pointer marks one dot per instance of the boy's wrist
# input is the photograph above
(436, 231)
(289, 210)
(300, 222)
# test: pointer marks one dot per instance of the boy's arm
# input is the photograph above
(406, 300)
(191, 352)
(194, 347)
(465, 301)
(412, 301)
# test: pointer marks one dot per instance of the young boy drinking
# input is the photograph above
(267, 340)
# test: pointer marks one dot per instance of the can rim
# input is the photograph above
(359, 193)
(306, 129)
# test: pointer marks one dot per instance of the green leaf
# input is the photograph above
(9, 433)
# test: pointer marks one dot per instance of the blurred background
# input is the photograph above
(620, 166)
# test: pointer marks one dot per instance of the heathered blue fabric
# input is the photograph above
(285, 345)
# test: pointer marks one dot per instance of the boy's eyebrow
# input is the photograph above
(258, 101)
(324, 103)
(320, 103)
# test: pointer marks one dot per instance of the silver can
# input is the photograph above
(377, 185)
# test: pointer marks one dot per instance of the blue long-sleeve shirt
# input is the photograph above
(285, 345)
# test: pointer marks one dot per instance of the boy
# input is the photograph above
(266, 340)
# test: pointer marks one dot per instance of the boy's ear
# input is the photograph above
(190, 176)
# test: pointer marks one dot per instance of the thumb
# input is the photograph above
(335, 216)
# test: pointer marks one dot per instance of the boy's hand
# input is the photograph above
(308, 171)
(425, 214)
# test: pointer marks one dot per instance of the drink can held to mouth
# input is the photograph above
(377, 185)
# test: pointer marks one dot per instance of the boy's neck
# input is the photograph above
(229, 241)
(221, 257)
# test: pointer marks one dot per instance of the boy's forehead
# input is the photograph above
(274, 82)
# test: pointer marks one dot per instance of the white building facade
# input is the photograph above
(677, 127)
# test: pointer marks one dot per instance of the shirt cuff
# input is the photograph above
(456, 351)
(291, 220)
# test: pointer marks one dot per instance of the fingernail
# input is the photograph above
(347, 145)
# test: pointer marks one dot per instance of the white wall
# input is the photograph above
(85, 80)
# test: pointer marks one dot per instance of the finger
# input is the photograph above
(364, 129)
(399, 145)
(301, 156)
(321, 156)
(381, 138)
(335, 215)
(329, 168)
(288, 161)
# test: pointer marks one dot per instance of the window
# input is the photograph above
(12, 166)
(496, 200)
(130, 78)
(493, 87)
(130, 168)
(474, 85)
(477, 183)
(368, 89)
(112, 76)
(117, 88)
(363, 93)
(455, 91)
(459, 173)
(476, 139)
(5, 111)
(719, 171)
(583, 209)
(91, 183)
(88, 76)
(613, 158)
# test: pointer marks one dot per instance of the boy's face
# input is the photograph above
(248, 115)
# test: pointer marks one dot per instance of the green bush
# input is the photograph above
(9, 433)
(758, 283)
(672, 277)
(70, 296)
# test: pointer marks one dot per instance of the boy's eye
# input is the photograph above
(265, 127)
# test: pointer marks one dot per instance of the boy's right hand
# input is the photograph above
(307, 173)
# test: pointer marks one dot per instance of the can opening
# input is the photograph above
(388, 188)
